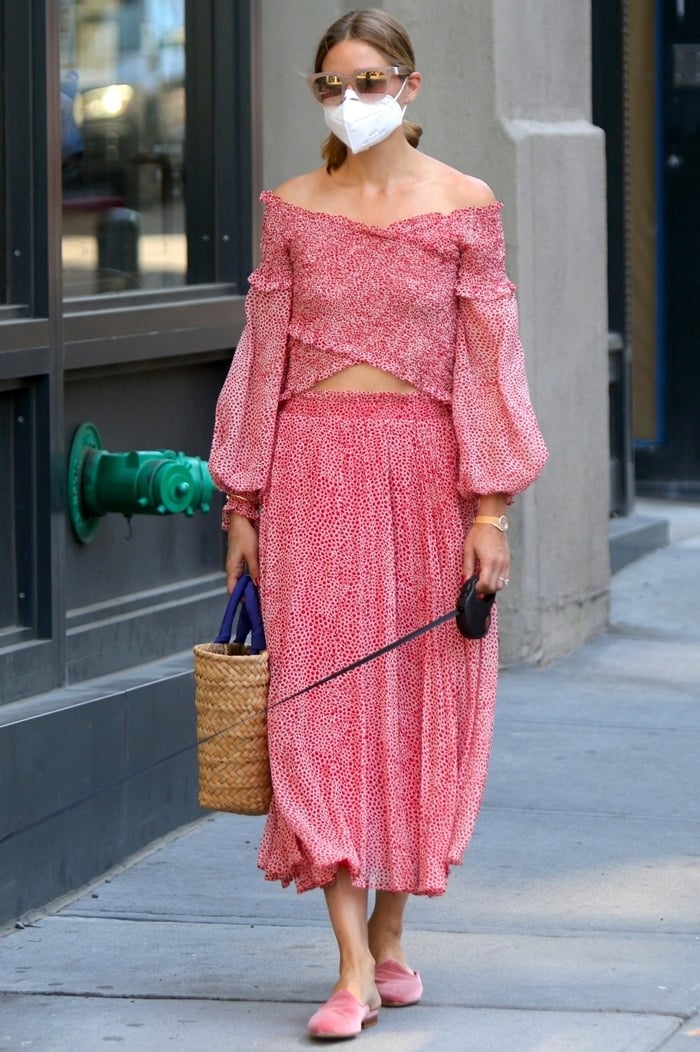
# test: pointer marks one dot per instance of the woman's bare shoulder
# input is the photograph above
(460, 190)
(301, 190)
(472, 191)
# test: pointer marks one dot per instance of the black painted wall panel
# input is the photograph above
(71, 758)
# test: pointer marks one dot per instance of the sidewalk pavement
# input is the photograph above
(574, 925)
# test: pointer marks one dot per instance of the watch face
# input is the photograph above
(503, 523)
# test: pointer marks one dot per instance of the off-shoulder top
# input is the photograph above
(426, 298)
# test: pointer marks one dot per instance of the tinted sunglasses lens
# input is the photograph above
(371, 82)
(327, 88)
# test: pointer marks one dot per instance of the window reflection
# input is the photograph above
(123, 129)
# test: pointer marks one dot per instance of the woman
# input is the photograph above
(377, 411)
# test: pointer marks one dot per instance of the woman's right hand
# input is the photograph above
(242, 551)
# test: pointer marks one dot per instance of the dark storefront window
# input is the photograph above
(123, 131)
(3, 196)
(122, 273)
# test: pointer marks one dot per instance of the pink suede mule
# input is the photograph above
(396, 986)
(341, 1016)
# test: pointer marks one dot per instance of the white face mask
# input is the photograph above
(363, 124)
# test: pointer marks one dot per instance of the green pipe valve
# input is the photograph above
(144, 482)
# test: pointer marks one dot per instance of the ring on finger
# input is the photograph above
(506, 581)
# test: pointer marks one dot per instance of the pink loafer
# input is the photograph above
(341, 1016)
(396, 986)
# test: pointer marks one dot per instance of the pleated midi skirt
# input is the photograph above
(381, 770)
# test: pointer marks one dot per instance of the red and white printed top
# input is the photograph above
(426, 298)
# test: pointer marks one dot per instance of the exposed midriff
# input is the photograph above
(363, 377)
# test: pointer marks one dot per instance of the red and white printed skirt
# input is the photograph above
(381, 770)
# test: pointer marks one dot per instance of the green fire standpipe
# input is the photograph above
(144, 482)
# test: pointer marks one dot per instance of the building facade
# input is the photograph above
(136, 137)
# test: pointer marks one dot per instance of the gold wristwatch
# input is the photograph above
(499, 521)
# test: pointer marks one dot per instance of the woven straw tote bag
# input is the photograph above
(231, 683)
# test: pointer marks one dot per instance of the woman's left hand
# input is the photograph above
(486, 547)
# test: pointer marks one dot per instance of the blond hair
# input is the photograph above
(387, 35)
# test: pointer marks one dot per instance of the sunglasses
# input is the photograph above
(329, 88)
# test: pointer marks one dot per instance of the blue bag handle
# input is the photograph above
(244, 594)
